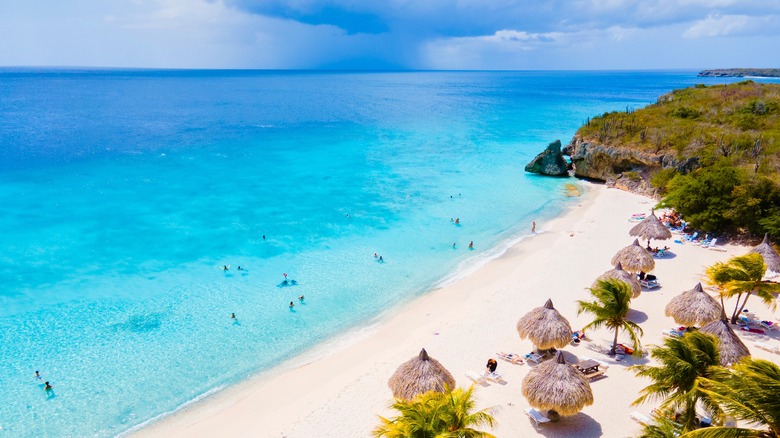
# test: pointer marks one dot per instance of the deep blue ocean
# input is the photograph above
(125, 193)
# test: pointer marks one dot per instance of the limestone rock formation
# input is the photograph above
(549, 162)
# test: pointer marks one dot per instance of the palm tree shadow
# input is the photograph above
(580, 425)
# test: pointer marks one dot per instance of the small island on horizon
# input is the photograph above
(741, 72)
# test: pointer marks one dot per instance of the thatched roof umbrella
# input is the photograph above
(418, 375)
(619, 274)
(694, 307)
(634, 258)
(545, 327)
(558, 387)
(651, 228)
(771, 258)
(731, 347)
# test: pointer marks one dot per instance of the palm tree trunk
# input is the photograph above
(734, 315)
(743, 305)
(614, 343)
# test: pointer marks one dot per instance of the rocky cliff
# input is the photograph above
(625, 168)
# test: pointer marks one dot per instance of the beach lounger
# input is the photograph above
(640, 418)
(533, 357)
(538, 417)
(767, 347)
(510, 357)
(751, 330)
(672, 333)
(649, 284)
(769, 325)
(494, 377)
(476, 378)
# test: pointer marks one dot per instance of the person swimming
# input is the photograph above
(292, 304)
(38, 375)
(47, 386)
(225, 267)
(300, 298)
(381, 260)
(471, 245)
(232, 316)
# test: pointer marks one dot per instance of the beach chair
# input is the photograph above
(640, 418)
(691, 237)
(769, 325)
(510, 357)
(494, 377)
(533, 357)
(649, 284)
(538, 417)
(476, 378)
(767, 347)
(660, 254)
(672, 333)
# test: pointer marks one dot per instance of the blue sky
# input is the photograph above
(391, 34)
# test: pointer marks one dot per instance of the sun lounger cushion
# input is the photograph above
(640, 418)
(476, 377)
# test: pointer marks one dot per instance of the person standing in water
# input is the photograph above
(471, 245)
(300, 298)
(533, 227)
(292, 305)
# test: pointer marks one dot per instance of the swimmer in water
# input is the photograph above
(38, 375)
(453, 245)
(263, 236)
(47, 387)
(292, 304)
(225, 267)
(232, 316)
(381, 260)
(471, 245)
(300, 298)
(457, 221)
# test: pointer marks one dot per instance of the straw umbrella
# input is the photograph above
(545, 327)
(558, 387)
(419, 375)
(731, 347)
(771, 258)
(634, 258)
(694, 307)
(618, 273)
(651, 228)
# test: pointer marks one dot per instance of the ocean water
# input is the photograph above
(124, 193)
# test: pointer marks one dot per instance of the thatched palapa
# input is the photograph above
(618, 273)
(419, 375)
(557, 386)
(651, 229)
(731, 347)
(545, 327)
(634, 258)
(771, 258)
(694, 307)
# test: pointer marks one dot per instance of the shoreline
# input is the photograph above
(340, 386)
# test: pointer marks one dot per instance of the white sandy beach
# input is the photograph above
(340, 389)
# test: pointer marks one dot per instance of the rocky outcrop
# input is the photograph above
(549, 162)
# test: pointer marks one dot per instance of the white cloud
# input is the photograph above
(731, 25)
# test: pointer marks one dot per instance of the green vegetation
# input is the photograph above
(733, 133)
(610, 309)
(742, 275)
(681, 361)
(437, 415)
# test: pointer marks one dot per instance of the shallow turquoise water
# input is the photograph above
(124, 192)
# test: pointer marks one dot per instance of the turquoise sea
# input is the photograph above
(124, 193)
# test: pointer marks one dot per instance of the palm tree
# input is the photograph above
(611, 309)
(742, 275)
(681, 361)
(661, 427)
(437, 415)
(749, 393)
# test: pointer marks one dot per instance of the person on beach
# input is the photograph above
(533, 227)
(300, 298)
(491, 365)
(471, 245)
